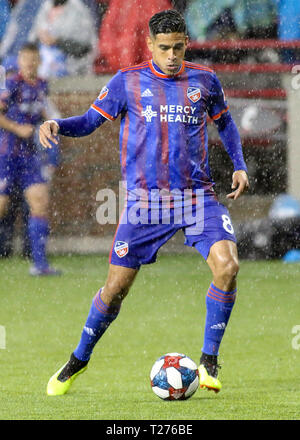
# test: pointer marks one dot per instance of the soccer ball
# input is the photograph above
(174, 376)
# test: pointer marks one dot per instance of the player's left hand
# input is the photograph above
(240, 183)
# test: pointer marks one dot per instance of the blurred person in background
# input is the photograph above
(17, 205)
(256, 18)
(17, 30)
(65, 30)
(289, 27)
(4, 16)
(212, 20)
(24, 105)
(207, 19)
(118, 47)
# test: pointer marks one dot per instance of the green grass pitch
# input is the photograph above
(164, 312)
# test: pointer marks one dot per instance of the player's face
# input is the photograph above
(168, 51)
(29, 61)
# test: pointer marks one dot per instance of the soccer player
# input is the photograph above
(23, 104)
(163, 105)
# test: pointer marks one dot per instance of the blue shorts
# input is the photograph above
(137, 244)
(22, 171)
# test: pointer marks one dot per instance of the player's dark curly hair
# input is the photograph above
(167, 22)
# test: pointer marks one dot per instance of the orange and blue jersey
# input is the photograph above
(163, 133)
(164, 148)
(163, 130)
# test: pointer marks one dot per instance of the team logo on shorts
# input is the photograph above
(121, 248)
(103, 93)
(194, 94)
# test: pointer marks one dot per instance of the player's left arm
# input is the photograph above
(218, 110)
(232, 142)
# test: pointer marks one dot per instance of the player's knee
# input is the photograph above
(228, 270)
(38, 205)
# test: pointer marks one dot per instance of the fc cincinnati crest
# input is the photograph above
(193, 93)
(121, 248)
(103, 93)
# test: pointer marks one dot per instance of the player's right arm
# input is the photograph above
(108, 105)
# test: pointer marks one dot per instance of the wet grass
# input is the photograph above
(164, 312)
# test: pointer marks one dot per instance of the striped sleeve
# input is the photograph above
(111, 100)
(217, 105)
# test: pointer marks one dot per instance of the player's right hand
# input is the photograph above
(48, 132)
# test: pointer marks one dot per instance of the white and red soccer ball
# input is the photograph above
(174, 376)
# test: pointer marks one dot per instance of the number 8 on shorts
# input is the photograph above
(227, 224)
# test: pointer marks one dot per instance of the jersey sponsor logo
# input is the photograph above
(103, 93)
(172, 113)
(146, 93)
(194, 94)
(149, 113)
(121, 248)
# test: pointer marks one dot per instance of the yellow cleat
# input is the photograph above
(208, 382)
(57, 387)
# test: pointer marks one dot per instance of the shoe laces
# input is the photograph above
(212, 369)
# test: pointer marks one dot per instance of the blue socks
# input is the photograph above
(38, 231)
(219, 305)
(99, 319)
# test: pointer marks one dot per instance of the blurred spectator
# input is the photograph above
(121, 48)
(209, 20)
(102, 8)
(4, 16)
(289, 19)
(256, 18)
(19, 25)
(67, 35)
(180, 5)
(289, 26)
(97, 9)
